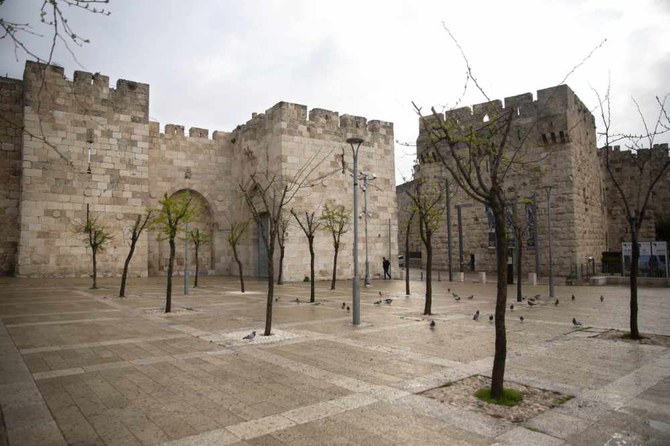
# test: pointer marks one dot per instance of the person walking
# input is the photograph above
(387, 266)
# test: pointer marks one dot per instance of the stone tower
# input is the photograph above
(559, 135)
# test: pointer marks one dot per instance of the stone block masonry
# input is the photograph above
(67, 144)
(11, 110)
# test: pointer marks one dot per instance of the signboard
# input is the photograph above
(653, 260)
(658, 264)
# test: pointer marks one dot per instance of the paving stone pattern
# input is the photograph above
(80, 366)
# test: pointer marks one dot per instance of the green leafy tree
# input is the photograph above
(141, 222)
(336, 220)
(173, 214)
(310, 225)
(199, 239)
(96, 237)
(427, 201)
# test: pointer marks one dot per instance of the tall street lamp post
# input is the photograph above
(186, 277)
(551, 264)
(536, 241)
(366, 177)
(460, 232)
(356, 292)
(451, 275)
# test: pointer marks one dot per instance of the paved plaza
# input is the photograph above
(80, 366)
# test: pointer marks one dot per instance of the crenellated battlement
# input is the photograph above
(554, 112)
(85, 93)
(617, 156)
(288, 115)
(549, 102)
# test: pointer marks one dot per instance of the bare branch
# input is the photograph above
(588, 56)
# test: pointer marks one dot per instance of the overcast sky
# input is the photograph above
(212, 63)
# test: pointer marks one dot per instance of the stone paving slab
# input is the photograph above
(80, 366)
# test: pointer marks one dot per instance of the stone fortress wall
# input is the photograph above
(561, 148)
(627, 171)
(132, 164)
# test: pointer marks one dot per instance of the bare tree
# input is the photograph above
(635, 195)
(479, 152)
(51, 21)
(236, 231)
(173, 214)
(282, 236)
(141, 222)
(267, 195)
(427, 198)
(336, 220)
(409, 219)
(198, 238)
(309, 226)
(96, 237)
(52, 17)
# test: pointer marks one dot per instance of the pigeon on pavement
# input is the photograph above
(521, 318)
(511, 307)
(476, 316)
(250, 336)
(344, 305)
(432, 324)
(490, 318)
(602, 298)
(576, 323)
(556, 303)
(573, 297)
(471, 296)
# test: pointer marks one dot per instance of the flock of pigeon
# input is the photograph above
(531, 301)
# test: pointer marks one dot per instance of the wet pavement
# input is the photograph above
(81, 366)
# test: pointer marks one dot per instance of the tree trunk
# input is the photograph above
(312, 294)
(519, 246)
(280, 276)
(271, 284)
(429, 274)
(168, 293)
(197, 266)
(332, 283)
(126, 265)
(409, 223)
(634, 264)
(95, 269)
(500, 355)
(239, 267)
